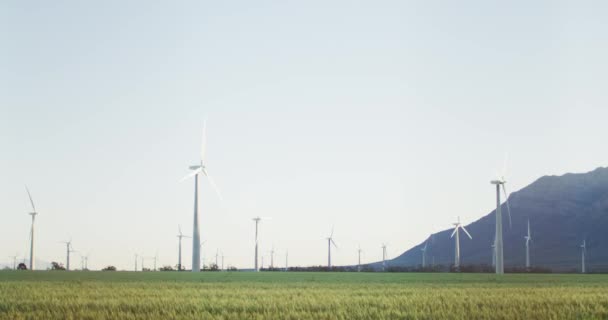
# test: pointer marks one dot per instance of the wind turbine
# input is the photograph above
(330, 241)
(14, 261)
(458, 226)
(528, 239)
(217, 253)
(583, 253)
(69, 249)
(424, 254)
(136, 261)
(359, 260)
(196, 170)
(286, 260)
(272, 258)
(257, 221)
(500, 267)
(179, 257)
(383, 257)
(33, 214)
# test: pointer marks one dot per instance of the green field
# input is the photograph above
(279, 295)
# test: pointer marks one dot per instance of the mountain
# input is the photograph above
(563, 210)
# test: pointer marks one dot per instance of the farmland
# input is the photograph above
(240, 295)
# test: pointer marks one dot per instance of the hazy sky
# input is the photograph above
(386, 119)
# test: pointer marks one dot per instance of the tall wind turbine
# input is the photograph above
(330, 241)
(69, 249)
(286, 259)
(500, 182)
(528, 239)
(424, 254)
(272, 258)
(33, 214)
(179, 256)
(359, 260)
(458, 226)
(583, 253)
(257, 221)
(384, 257)
(196, 171)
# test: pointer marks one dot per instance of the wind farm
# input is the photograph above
(303, 160)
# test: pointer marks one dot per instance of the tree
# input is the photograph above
(57, 266)
(22, 266)
(166, 268)
(109, 268)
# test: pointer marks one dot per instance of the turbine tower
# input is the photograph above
(286, 260)
(33, 214)
(424, 254)
(69, 249)
(458, 226)
(384, 257)
(330, 241)
(359, 261)
(257, 221)
(136, 262)
(272, 258)
(196, 234)
(528, 239)
(493, 246)
(500, 182)
(583, 253)
(179, 256)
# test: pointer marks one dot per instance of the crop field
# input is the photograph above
(287, 295)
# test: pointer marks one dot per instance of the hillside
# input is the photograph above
(562, 211)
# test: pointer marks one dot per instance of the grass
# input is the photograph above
(279, 295)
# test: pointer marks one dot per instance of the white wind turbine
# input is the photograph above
(424, 254)
(286, 260)
(458, 226)
(330, 241)
(272, 258)
(359, 260)
(583, 254)
(500, 181)
(196, 171)
(528, 239)
(257, 221)
(69, 250)
(383, 257)
(33, 214)
(179, 256)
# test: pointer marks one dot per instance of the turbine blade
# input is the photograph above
(332, 232)
(31, 200)
(453, 233)
(204, 142)
(213, 185)
(504, 189)
(334, 243)
(190, 175)
(465, 231)
(179, 227)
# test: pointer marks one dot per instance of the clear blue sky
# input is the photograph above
(386, 119)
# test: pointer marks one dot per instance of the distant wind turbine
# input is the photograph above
(136, 255)
(458, 226)
(33, 214)
(384, 257)
(14, 261)
(500, 267)
(69, 250)
(286, 260)
(272, 258)
(179, 257)
(583, 254)
(424, 254)
(359, 260)
(196, 170)
(257, 221)
(528, 239)
(330, 241)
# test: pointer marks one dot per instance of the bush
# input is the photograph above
(109, 268)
